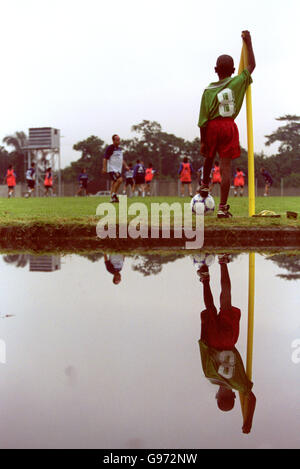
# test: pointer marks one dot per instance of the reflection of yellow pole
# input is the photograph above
(251, 177)
(250, 314)
(251, 289)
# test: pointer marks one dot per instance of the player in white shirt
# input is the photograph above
(113, 162)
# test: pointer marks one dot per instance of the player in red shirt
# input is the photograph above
(185, 174)
(10, 180)
(216, 176)
(239, 182)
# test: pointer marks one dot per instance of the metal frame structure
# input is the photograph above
(40, 139)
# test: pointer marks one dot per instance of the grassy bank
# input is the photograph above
(82, 210)
(50, 223)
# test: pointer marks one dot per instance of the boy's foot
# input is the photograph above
(224, 258)
(203, 273)
(203, 190)
(114, 198)
(223, 211)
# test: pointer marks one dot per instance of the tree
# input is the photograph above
(288, 135)
(18, 156)
(91, 147)
(92, 151)
(162, 149)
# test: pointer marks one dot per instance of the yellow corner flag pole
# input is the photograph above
(251, 289)
(250, 330)
(251, 177)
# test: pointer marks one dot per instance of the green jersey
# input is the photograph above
(224, 367)
(224, 98)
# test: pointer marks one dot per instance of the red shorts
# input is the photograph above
(222, 137)
(220, 331)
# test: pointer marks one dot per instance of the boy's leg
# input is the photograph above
(225, 168)
(225, 297)
(204, 188)
(207, 170)
(182, 189)
(207, 296)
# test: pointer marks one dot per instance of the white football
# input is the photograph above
(207, 207)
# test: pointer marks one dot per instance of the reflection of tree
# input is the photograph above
(93, 256)
(152, 264)
(19, 260)
(289, 262)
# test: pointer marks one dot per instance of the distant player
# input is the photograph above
(139, 178)
(30, 179)
(185, 174)
(129, 181)
(220, 105)
(113, 163)
(215, 176)
(10, 180)
(83, 180)
(221, 362)
(114, 264)
(239, 182)
(268, 180)
(48, 182)
(149, 177)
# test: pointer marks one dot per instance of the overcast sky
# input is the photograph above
(98, 67)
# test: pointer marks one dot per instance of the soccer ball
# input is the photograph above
(208, 204)
(203, 259)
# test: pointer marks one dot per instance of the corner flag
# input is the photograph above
(251, 178)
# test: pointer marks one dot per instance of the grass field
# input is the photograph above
(82, 210)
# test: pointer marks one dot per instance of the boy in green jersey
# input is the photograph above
(221, 103)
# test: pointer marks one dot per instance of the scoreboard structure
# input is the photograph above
(44, 138)
(43, 146)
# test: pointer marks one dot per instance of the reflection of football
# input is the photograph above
(203, 259)
(207, 207)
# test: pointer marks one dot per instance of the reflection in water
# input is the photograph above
(289, 262)
(152, 264)
(221, 361)
(45, 263)
(19, 260)
(114, 264)
(97, 362)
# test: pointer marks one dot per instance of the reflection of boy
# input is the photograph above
(114, 264)
(221, 362)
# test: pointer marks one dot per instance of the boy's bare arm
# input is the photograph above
(251, 59)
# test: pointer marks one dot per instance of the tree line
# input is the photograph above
(165, 151)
